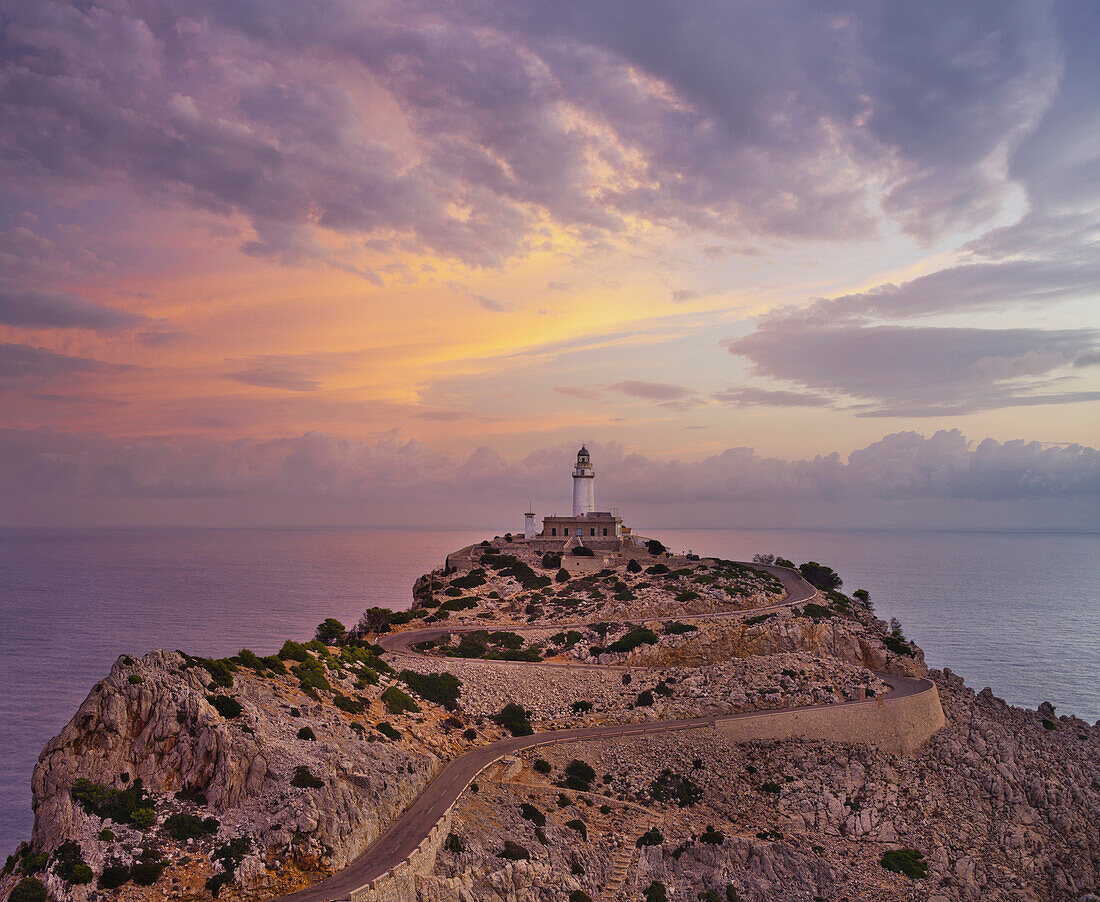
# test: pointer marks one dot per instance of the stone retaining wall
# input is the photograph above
(899, 725)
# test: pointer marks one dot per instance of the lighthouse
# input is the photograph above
(584, 478)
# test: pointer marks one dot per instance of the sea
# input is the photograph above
(1016, 611)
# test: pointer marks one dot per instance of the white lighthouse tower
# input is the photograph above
(584, 494)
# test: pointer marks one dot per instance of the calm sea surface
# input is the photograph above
(1016, 611)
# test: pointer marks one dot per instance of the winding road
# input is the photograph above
(410, 829)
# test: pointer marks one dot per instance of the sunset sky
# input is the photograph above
(341, 261)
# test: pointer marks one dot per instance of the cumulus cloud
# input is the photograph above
(36, 309)
(316, 467)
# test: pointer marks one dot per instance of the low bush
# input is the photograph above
(655, 547)
(909, 862)
(663, 688)
(304, 779)
(578, 826)
(135, 680)
(515, 719)
(551, 560)
(633, 639)
(541, 766)
(146, 872)
(119, 805)
(513, 851)
(530, 813)
(898, 646)
(770, 788)
(759, 618)
(81, 874)
(563, 800)
(583, 551)
(347, 704)
(183, 826)
(311, 674)
(817, 612)
(645, 699)
(230, 856)
(656, 892)
(673, 787)
(579, 775)
(562, 576)
(307, 734)
(686, 596)
(293, 651)
(227, 706)
(712, 836)
(581, 707)
(397, 702)
(579, 895)
(69, 864)
(633, 566)
(29, 889)
(470, 734)
(676, 628)
(442, 688)
(656, 570)
(113, 875)
(652, 837)
(388, 730)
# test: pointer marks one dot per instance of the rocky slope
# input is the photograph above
(181, 777)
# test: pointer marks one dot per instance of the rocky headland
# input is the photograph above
(251, 777)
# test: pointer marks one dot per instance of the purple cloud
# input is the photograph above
(36, 309)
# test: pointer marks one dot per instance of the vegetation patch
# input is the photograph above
(909, 862)
(227, 706)
(633, 639)
(442, 688)
(388, 730)
(119, 805)
(652, 837)
(579, 776)
(398, 702)
(578, 826)
(673, 787)
(513, 851)
(676, 628)
(183, 826)
(304, 779)
(515, 719)
(530, 813)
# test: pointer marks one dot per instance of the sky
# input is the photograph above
(350, 262)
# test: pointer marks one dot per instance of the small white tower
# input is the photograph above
(584, 494)
(529, 525)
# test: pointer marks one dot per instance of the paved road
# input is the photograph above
(406, 833)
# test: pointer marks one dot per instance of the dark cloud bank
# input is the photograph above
(904, 479)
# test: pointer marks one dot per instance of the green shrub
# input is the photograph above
(471, 580)
(583, 551)
(274, 664)
(656, 570)
(676, 628)
(712, 836)
(307, 734)
(579, 775)
(663, 688)
(106, 802)
(759, 618)
(67, 857)
(819, 576)
(347, 704)
(515, 719)
(578, 826)
(454, 844)
(530, 813)
(898, 646)
(33, 862)
(817, 611)
(541, 766)
(146, 873)
(331, 631)
(562, 576)
(293, 651)
(673, 787)
(686, 596)
(441, 688)
(652, 837)
(551, 560)
(311, 674)
(909, 862)
(106, 835)
(633, 566)
(135, 680)
(144, 818)
(81, 874)
(227, 706)
(514, 851)
(220, 673)
(29, 889)
(182, 826)
(579, 895)
(388, 730)
(251, 660)
(474, 644)
(113, 875)
(470, 734)
(458, 604)
(770, 788)
(397, 702)
(655, 547)
(563, 800)
(638, 636)
(304, 779)
(1049, 724)
(506, 639)
(581, 707)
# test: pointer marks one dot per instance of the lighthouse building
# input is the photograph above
(587, 526)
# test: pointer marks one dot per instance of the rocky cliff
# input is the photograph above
(249, 777)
